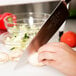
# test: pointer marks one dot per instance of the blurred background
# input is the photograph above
(41, 6)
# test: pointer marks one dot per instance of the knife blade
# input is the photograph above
(52, 24)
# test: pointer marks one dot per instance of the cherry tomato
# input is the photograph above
(69, 38)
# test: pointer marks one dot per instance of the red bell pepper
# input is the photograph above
(9, 16)
(0, 15)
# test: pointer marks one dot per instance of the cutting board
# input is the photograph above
(7, 69)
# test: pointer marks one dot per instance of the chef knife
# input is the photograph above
(52, 24)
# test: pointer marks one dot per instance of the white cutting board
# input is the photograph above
(7, 69)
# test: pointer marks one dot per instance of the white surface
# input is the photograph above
(28, 70)
(15, 2)
(8, 69)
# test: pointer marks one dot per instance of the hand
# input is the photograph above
(60, 56)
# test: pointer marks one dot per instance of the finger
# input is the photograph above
(50, 63)
(48, 58)
(56, 44)
(46, 48)
(54, 47)
(50, 48)
(46, 55)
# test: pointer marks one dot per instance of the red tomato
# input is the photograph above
(11, 17)
(69, 38)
